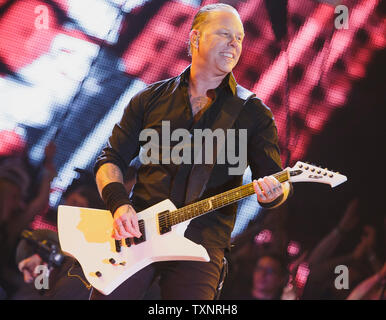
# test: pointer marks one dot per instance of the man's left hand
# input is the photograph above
(267, 189)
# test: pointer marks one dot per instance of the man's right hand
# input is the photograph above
(125, 223)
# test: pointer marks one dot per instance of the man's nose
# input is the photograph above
(233, 41)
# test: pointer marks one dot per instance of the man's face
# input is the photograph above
(267, 277)
(77, 200)
(220, 42)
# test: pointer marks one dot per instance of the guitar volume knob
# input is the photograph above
(98, 274)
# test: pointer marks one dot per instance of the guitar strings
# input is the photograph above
(222, 199)
(218, 201)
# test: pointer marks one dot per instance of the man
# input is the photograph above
(270, 277)
(66, 279)
(189, 101)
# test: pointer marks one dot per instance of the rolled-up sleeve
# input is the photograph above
(123, 144)
(263, 145)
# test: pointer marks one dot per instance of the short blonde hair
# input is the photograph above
(201, 17)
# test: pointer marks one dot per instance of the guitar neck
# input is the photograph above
(221, 200)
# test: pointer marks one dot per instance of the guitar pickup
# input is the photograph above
(128, 242)
(142, 238)
(118, 245)
(131, 241)
(164, 224)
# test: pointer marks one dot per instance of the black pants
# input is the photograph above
(179, 280)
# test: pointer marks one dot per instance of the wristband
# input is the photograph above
(272, 203)
(115, 195)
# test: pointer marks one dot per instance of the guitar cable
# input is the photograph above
(86, 284)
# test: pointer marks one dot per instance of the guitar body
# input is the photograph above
(85, 234)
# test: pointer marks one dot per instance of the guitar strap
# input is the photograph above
(200, 173)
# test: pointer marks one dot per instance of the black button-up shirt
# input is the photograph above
(168, 100)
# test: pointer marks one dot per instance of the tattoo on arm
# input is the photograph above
(107, 173)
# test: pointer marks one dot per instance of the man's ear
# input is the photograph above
(194, 36)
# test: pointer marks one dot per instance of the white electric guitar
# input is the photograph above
(85, 234)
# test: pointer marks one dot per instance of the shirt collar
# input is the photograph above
(229, 82)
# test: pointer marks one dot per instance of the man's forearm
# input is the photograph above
(325, 247)
(107, 173)
(109, 179)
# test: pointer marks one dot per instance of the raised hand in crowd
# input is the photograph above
(329, 243)
(366, 244)
(40, 202)
(350, 218)
(373, 288)
(28, 267)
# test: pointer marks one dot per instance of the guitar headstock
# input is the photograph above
(305, 172)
